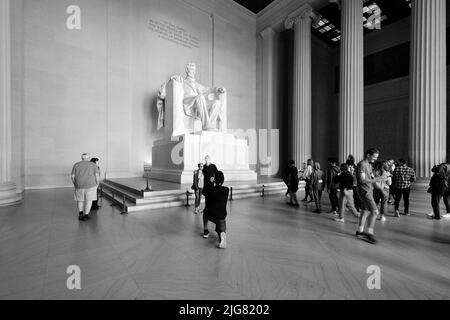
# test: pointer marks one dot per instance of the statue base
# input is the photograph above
(175, 160)
(9, 195)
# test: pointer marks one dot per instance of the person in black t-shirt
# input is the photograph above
(345, 180)
(95, 205)
(216, 198)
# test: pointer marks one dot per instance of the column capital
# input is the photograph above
(302, 13)
(267, 32)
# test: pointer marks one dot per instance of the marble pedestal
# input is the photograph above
(175, 160)
(9, 195)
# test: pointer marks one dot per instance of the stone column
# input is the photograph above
(8, 193)
(351, 107)
(268, 56)
(301, 20)
(268, 96)
(428, 86)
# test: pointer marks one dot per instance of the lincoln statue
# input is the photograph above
(200, 102)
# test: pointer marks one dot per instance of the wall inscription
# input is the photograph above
(173, 33)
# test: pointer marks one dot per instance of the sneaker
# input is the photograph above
(206, 234)
(407, 214)
(196, 211)
(339, 220)
(80, 216)
(381, 218)
(360, 235)
(85, 218)
(397, 214)
(317, 211)
(431, 216)
(446, 216)
(370, 238)
(223, 241)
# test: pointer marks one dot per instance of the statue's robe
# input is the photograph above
(202, 103)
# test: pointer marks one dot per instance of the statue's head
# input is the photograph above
(191, 69)
(85, 157)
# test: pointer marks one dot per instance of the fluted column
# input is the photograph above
(428, 86)
(301, 21)
(8, 193)
(268, 56)
(351, 107)
(268, 94)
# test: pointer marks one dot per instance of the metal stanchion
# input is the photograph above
(124, 206)
(187, 197)
(113, 198)
(148, 188)
(231, 194)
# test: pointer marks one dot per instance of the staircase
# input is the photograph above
(132, 200)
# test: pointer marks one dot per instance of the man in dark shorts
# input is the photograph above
(216, 198)
(369, 210)
(85, 178)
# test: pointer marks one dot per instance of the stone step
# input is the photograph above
(134, 202)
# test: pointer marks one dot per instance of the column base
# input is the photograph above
(9, 195)
(421, 184)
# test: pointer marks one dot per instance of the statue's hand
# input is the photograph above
(222, 90)
(177, 78)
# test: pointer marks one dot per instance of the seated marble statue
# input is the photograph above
(200, 102)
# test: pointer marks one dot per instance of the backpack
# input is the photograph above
(446, 182)
(440, 182)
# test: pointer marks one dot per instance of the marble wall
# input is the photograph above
(94, 89)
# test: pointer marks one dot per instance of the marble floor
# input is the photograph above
(274, 252)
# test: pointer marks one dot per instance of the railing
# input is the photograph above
(117, 202)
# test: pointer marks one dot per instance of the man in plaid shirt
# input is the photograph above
(403, 177)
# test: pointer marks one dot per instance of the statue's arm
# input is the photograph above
(177, 78)
(219, 90)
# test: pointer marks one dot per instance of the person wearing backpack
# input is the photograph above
(440, 189)
(292, 181)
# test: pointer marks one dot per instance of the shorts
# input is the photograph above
(367, 201)
(82, 195)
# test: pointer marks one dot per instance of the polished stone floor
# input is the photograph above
(274, 252)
